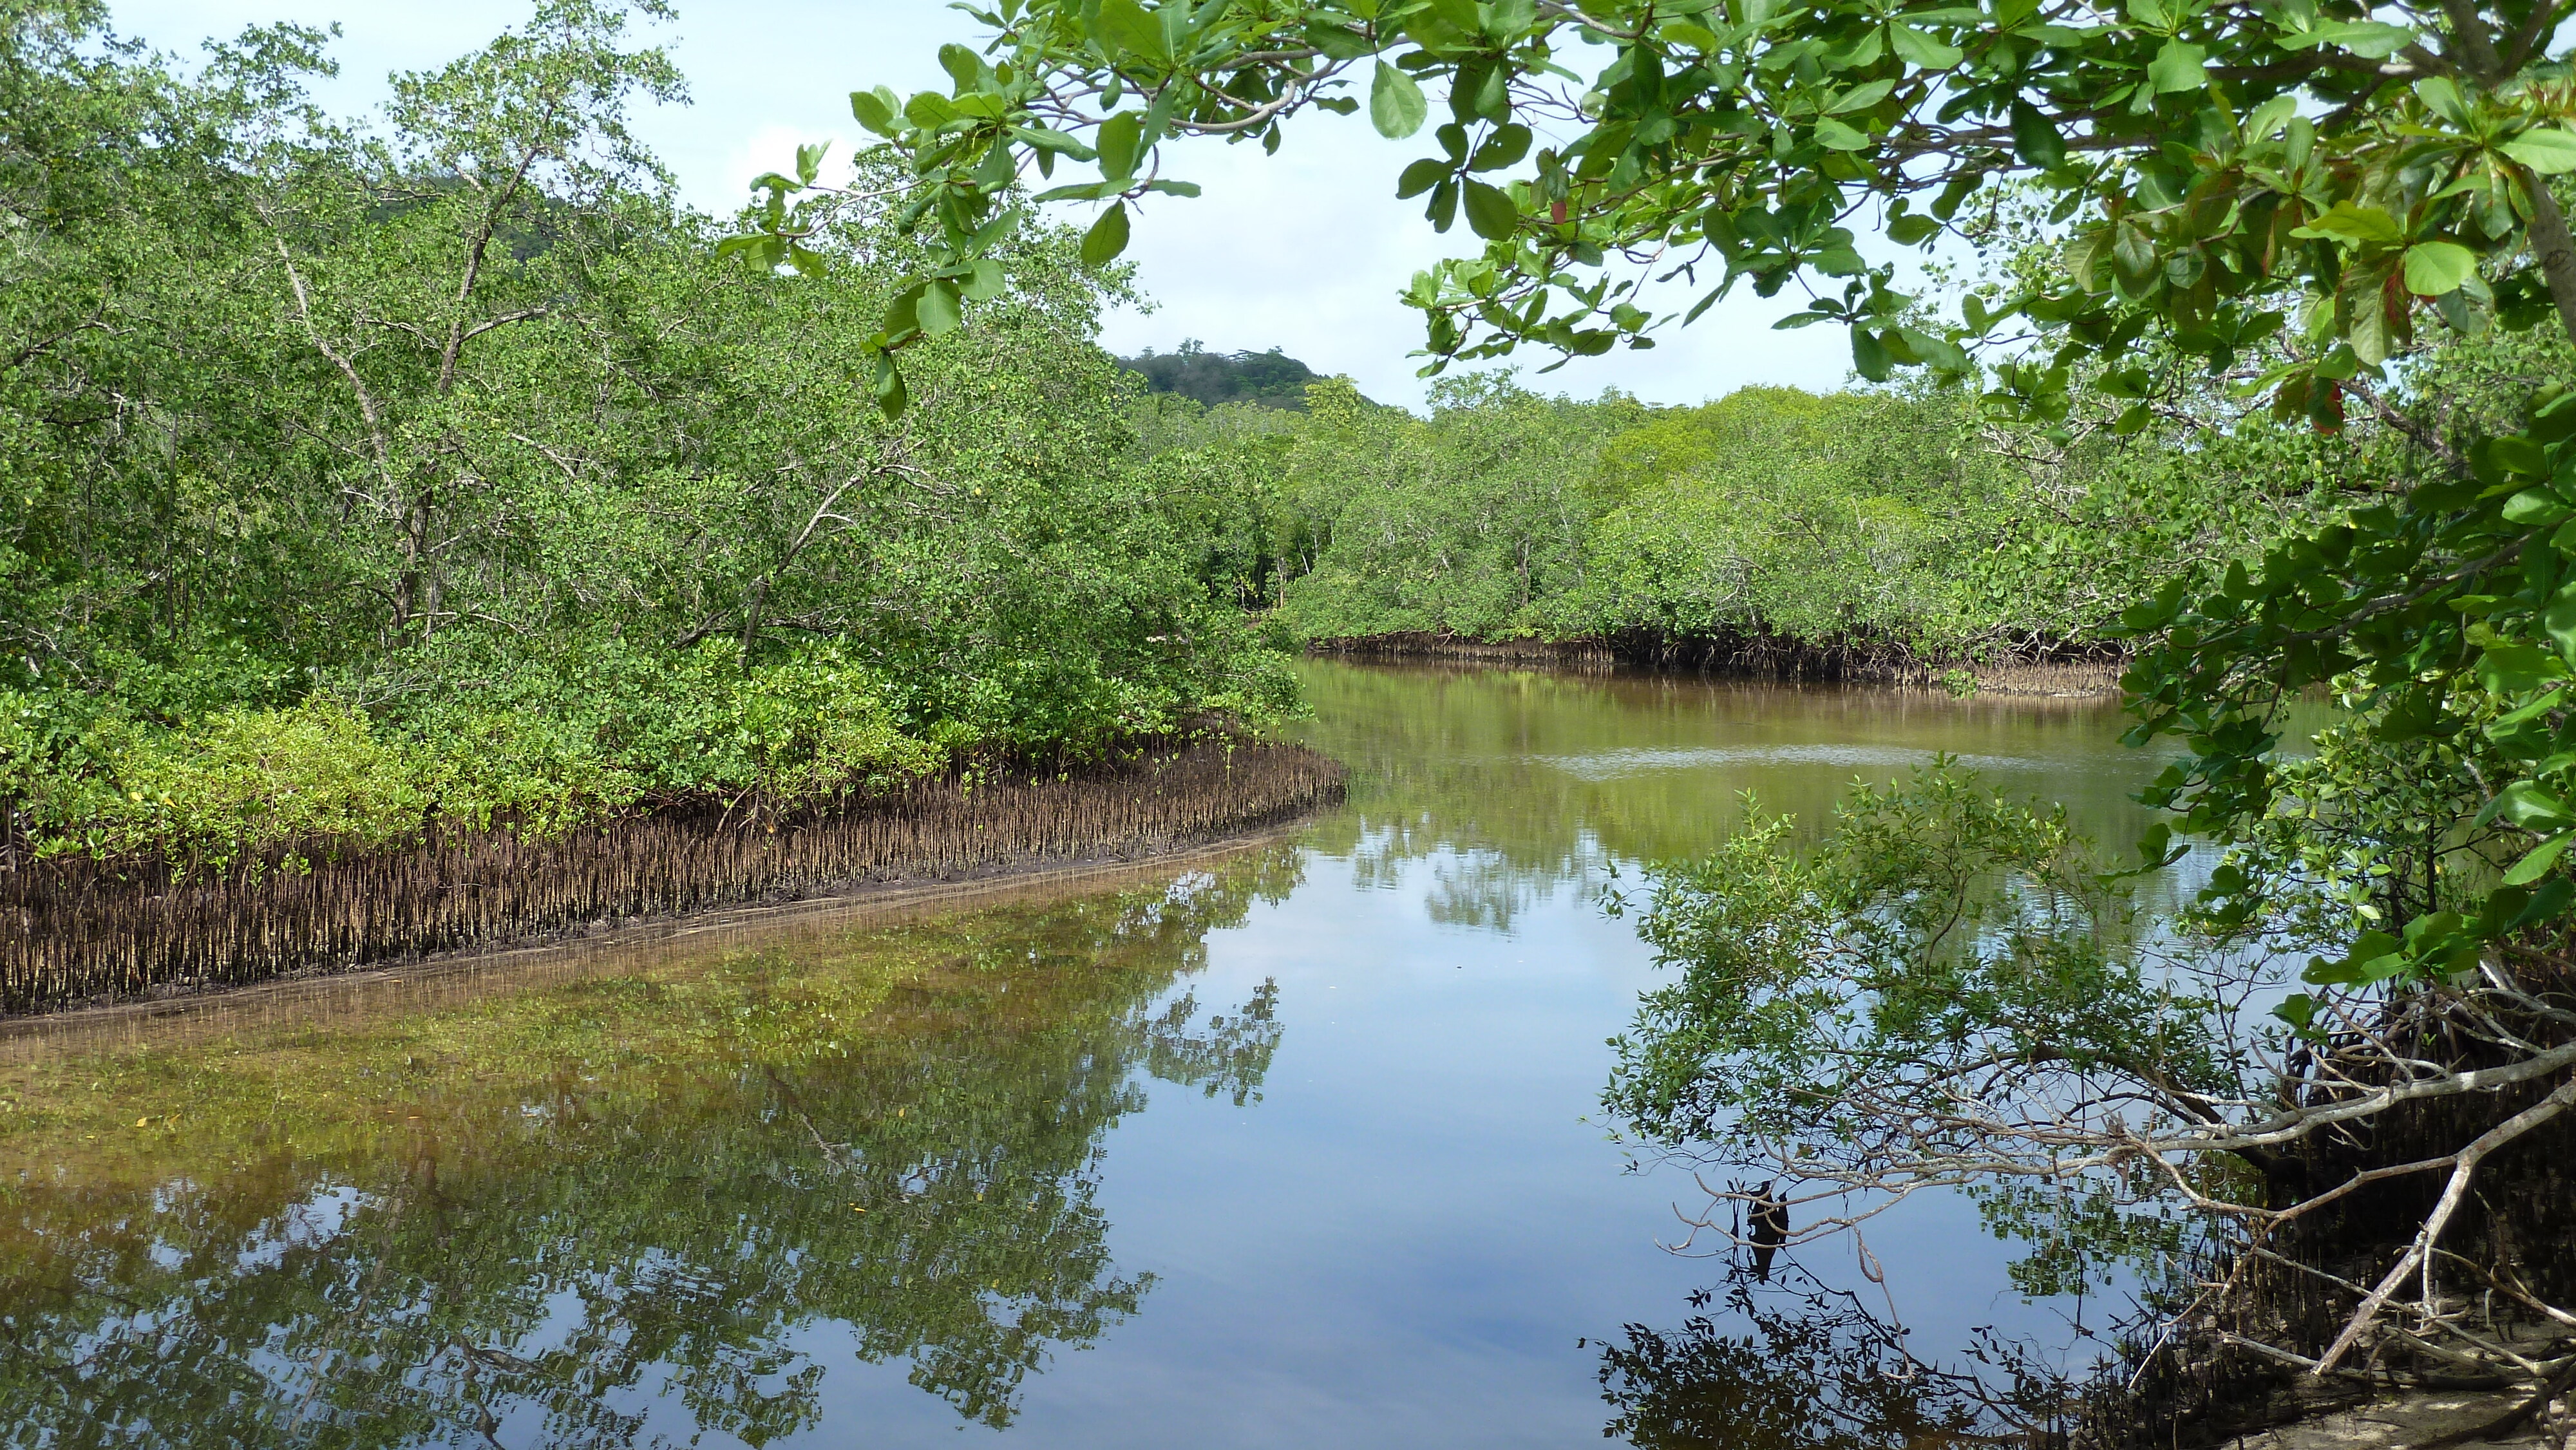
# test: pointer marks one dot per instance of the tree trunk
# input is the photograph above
(2557, 251)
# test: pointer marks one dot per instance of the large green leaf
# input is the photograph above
(2533, 807)
(2549, 150)
(1922, 49)
(1839, 137)
(878, 110)
(1107, 237)
(2354, 222)
(2537, 861)
(1421, 176)
(1120, 139)
(937, 310)
(1125, 24)
(2369, 39)
(1396, 104)
(2433, 268)
(1869, 356)
(2036, 137)
(1491, 213)
(2178, 67)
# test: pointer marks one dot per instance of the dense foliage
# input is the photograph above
(356, 474)
(1885, 515)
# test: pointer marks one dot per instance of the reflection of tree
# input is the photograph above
(1803, 1368)
(576, 1244)
(1501, 761)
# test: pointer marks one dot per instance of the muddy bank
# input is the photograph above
(1859, 660)
(79, 932)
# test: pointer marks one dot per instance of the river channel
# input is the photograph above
(1294, 1145)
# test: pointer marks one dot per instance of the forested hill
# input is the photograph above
(1270, 379)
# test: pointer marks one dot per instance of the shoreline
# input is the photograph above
(516, 964)
(2057, 673)
(86, 937)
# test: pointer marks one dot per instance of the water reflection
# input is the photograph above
(1522, 784)
(1805, 1367)
(819, 1180)
(599, 1214)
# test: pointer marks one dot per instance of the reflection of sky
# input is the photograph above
(1405, 1241)
(1612, 764)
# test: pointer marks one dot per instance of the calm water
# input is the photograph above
(1291, 1147)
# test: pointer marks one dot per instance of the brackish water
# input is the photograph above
(1293, 1146)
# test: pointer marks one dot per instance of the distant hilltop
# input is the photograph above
(1271, 379)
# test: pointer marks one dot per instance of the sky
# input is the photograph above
(1304, 251)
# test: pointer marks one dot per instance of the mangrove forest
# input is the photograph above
(626, 824)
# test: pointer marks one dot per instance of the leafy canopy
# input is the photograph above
(2231, 169)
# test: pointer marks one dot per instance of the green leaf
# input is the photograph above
(2433, 268)
(2549, 150)
(878, 110)
(1459, 15)
(892, 396)
(2299, 1010)
(1860, 97)
(1911, 229)
(1420, 177)
(1046, 138)
(964, 70)
(1835, 136)
(2035, 138)
(1504, 148)
(2270, 116)
(1443, 210)
(937, 311)
(1125, 23)
(1509, 20)
(2560, 620)
(1396, 104)
(2537, 861)
(929, 110)
(2349, 222)
(2528, 804)
(2441, 95)
(2534, 508)
(985, 283)
(2369, 39)
(2178, 67)
(2516, 667)
(809, 161)
(1491, 213)
(903, 314)
(1120, 141)
(1921, 49)
(1869, 356)
(2375, 957)
(1107, 237)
